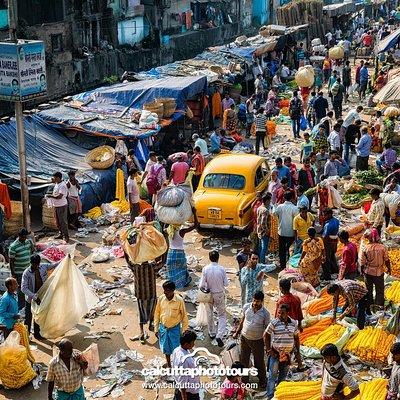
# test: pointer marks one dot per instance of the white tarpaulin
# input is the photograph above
(389, 93)
(64, 299)
(387, 43)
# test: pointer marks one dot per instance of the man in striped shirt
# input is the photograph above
(261, 129)
(20, 252)
(280, 338)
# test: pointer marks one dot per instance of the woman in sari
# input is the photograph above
(229, 122)
(312, 258)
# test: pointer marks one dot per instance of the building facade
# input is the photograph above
(90, 41)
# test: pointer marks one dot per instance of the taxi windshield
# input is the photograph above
(224, 181)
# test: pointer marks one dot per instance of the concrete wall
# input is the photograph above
(133, 30)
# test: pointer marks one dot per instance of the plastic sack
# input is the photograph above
(172, 196)
(303, 123)
(392, 112)
(336, 197)
(177, 215)
(393, 325)
(65, 298)
(316, 42)
(311, 352)
(336, 52)
(305, 76)
(230, 354)
(91, 355)
(15, 369)
(201, 316)
(149, 245)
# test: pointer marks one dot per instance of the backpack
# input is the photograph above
(152, 180)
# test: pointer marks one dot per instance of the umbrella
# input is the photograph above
(390, 92)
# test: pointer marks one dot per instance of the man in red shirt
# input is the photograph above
(179, 171)
(280, 193)
(291, 300)
(367, 39)
(358, 71)
(348, 263)
(198, 163)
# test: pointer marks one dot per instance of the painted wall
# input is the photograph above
(3, 19)
(260, 12)
(134, 30)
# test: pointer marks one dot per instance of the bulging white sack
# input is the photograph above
(65, 298)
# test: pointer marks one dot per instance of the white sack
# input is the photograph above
(177, 215)
(172, 196)
(201, 316)
(65, 298)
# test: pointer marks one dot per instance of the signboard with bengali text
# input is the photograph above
(22, 70)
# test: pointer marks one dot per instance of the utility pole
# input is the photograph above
(12, 22)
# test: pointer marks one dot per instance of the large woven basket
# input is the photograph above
(13, 225)
(48, 217)
(155, 107)
(169, 104)
(101, 157)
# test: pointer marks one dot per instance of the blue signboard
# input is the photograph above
(22, 70)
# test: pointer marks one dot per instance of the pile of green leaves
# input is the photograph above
(354, 198)
(369, 177)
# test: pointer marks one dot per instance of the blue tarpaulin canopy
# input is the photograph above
(136, 94)
(48, 151)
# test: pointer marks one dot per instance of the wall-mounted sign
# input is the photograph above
(22, 70)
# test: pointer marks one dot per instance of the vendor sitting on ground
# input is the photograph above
(9, 307)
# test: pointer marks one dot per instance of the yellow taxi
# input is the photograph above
(227, 188)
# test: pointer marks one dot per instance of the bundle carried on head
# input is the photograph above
(173, 204)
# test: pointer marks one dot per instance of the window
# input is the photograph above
(224, 181)
(56, 42)
(259, 176)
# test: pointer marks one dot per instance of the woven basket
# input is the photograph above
(48, 218)
(155, 107)
(169, 105)
(92, 157)
(13, 225)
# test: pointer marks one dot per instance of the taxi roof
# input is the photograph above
(234, 163)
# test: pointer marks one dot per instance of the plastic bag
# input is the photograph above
(336, 197)
(230, 354)
(149, 245)
(91, 355)
(303, 123)
(177, 215)
(172, 196)
(201, 316)
(65, 298)
(305, 76)
(15, 369)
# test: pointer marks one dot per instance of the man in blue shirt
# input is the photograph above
(9, 306)
(363, 150)
(330, 238)
(364, 76)
(302, 199)
(282, 170)
(215, 143)
(320, 106)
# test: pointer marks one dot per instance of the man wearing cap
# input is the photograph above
(200, 142)
(20, 252)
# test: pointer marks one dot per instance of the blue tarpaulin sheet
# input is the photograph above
(136, 94)
(48, 151)
(243, 52)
